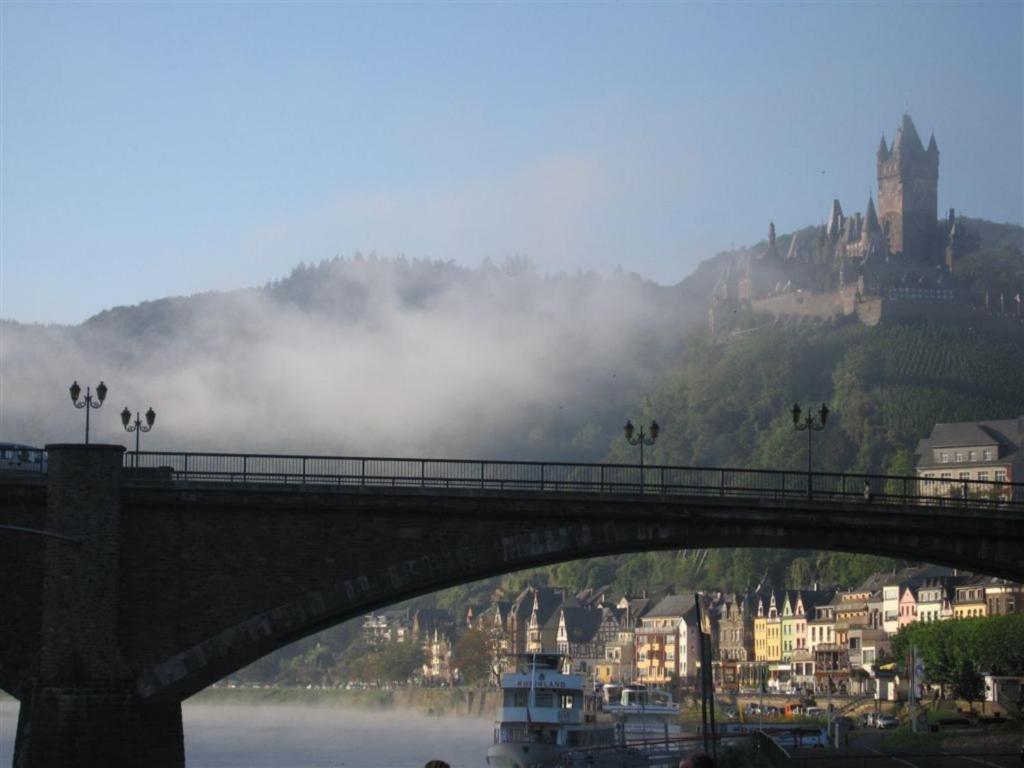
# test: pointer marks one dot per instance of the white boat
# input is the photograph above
(645, 714)
(546, 721)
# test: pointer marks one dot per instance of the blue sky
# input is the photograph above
(159, 149)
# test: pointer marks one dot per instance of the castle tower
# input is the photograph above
(908, 182)
(835, 221)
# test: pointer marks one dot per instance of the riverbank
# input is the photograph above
(464, 702)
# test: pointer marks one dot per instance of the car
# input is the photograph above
(886, 721)
(815, 712)
(801, 738)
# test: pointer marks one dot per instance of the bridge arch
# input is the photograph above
(426, 542)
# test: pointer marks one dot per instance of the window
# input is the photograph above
(986, 454)
(965, 475)
(946, 475)
(983, 475)
(959, 457)
(974, 455)
(944, 457)
(1000, 475)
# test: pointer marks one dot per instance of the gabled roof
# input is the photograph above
(872, 583)
(672, 606)
(1006, 434)
(581, 623)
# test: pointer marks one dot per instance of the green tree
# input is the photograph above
(472, 656)
(969, 684)
(400, 661)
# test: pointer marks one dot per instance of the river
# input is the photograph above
(233, 736)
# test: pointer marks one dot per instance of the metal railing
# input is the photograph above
(347, 471)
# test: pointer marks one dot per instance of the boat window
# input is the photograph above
(568, 701)
(516, 698)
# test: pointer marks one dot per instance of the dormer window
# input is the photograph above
(959, 457)
(974, 455)
(944, 457)
(986, 454)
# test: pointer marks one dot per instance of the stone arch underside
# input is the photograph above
(332, 557)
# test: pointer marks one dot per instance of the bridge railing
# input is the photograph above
(568, 476)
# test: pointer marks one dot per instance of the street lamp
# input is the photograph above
(137, 427)
(87, 402)
(641, 439)
(812, 425)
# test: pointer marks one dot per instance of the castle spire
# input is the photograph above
(932, 146)
(835, 220)
(907, 138)
(871, 219)
(883, 150)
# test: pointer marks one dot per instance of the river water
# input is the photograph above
(229, 736)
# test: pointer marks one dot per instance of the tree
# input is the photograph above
(399, 661)
(969, 684)
(472, 656)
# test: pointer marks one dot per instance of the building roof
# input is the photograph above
(581, 623)
(672, 605)
(1006, 434)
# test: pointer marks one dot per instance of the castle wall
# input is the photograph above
(822, 305)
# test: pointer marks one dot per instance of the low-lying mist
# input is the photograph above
(358, 356)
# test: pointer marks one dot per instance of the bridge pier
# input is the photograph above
(80, 705)
(81, 724)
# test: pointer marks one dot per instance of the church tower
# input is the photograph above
(908, 200)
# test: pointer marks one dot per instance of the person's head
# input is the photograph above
(697, 760)
(437, 764)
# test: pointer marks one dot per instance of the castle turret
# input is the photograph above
(871, 219)
(872, 238)
(772, 253)
(835, 221)
(908, 182)
(883, 150)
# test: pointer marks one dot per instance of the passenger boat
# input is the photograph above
(643, 713)
(547, 721)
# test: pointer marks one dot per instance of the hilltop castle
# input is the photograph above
(894, 262)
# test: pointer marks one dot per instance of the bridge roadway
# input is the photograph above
(171, 574)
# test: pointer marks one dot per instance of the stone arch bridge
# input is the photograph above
(130, 582)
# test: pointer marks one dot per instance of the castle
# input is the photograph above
(895, 262)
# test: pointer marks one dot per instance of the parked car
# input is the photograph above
(801, 738)
(886, 721)
(816, 712)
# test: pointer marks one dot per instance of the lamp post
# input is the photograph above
(641, 439)
(811, 425)
(87, 402)
(137, 427)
